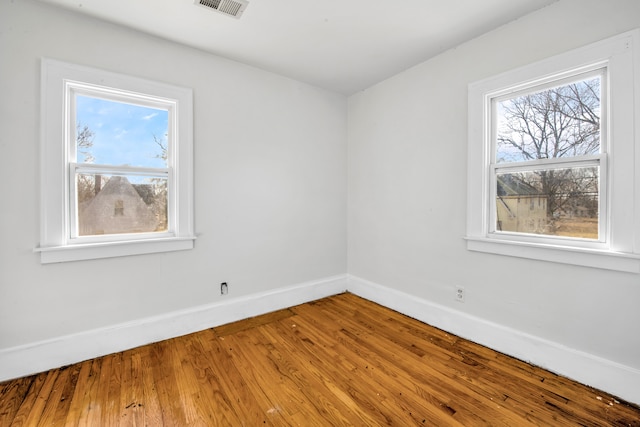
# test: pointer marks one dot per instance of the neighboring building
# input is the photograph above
(520, 207)
(117, 208)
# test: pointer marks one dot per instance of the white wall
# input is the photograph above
(270, 174)
(407, 194)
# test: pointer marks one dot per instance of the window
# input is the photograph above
(116, 165)
(548, 144)
(553, 168)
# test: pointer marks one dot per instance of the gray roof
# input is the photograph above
(511, 185)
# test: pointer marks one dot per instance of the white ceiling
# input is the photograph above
(340, 45)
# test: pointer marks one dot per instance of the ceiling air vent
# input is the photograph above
(228, 7)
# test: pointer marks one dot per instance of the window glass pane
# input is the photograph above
(113, 204)
(118, 133)
(554, 202)
(563, 121)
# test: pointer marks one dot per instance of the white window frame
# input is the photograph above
(618, 246)
(58, 241)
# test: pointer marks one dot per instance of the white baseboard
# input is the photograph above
(614, 378)
(53, 353)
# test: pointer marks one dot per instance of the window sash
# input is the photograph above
(73, 88)
(599, 68)
(556, 80)
(93, 168)
(75, 169)
(599, 161)
(553, 163)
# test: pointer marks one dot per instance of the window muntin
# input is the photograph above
(547, 147)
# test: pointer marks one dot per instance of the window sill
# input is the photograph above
(87, 251)
(608, 260)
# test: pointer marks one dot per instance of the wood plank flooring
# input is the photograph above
(339, 361)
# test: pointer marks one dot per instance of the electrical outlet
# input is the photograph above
(224, 288)
(459, 295)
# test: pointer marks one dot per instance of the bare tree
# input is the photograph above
(162, 144)
(558, 122)
(84, 143)
(160, 191)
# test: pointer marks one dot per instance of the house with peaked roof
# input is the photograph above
(117, 208)
(520, 206)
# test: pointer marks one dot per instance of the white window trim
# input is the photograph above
(56, 244)
(621, 248)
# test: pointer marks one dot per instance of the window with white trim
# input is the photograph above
(553, 163)
(117, 161)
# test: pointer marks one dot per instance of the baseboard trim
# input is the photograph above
(41, 356)
(617, 379)
(603, 374)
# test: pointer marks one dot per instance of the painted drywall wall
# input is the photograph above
(270, 182)
(407, 193)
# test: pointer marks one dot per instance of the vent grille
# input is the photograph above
(233, 8)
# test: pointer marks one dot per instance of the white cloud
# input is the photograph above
(119, 133)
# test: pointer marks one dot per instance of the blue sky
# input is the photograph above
(123, 133)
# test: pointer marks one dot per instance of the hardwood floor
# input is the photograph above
(337, 361)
